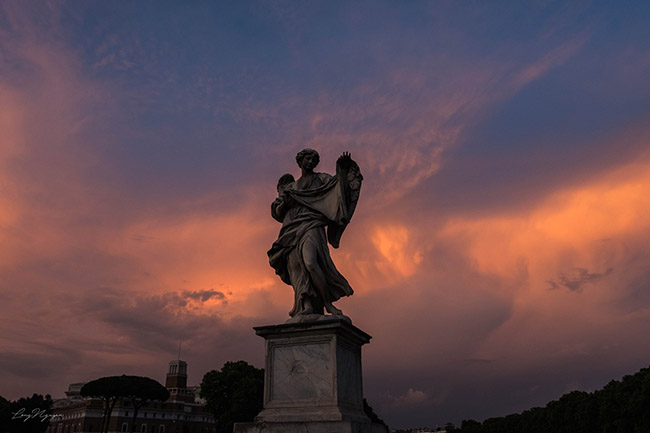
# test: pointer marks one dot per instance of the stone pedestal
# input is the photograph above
(313, 379)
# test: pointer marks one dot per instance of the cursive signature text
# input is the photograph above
(35, 413)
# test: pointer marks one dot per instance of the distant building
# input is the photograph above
(184, 412)
(74, 391)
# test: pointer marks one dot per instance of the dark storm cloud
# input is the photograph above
(635, 292)
(577, 279)
(204, 295)
(153, 321)
(43, 362)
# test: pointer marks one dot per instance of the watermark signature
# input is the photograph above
(35, 413)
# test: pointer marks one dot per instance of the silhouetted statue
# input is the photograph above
(313, 210)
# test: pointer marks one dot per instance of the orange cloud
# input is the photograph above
(226, 252)
(566, 264)
(396, 246)
(564, 231)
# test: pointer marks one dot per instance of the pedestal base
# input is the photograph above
(313, 379)
(310, 427)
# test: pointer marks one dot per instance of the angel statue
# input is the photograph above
(314, 210)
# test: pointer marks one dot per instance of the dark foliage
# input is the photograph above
(137, 389)
(108, 389)
(620, 407)
(234, 394)
(5, 414)
(27, 415)
(141, 390)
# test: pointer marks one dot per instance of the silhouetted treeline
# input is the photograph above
(620, 407)
(27, 415)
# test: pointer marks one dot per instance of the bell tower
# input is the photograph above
(177, 374)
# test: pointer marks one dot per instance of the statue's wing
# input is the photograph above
(349, 183)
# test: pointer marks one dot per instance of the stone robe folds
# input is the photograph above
(319, 213)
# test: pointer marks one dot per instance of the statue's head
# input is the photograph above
(305, 152)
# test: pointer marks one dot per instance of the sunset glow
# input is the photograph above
(499, 252)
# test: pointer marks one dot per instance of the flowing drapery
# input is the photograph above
(319, 212)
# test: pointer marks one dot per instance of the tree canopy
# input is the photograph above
(125, 387)
(233, 394)
(135, 388)
(620, 407)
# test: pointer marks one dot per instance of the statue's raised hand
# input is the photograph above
(345, 160)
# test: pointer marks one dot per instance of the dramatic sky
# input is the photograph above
(500, 253)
